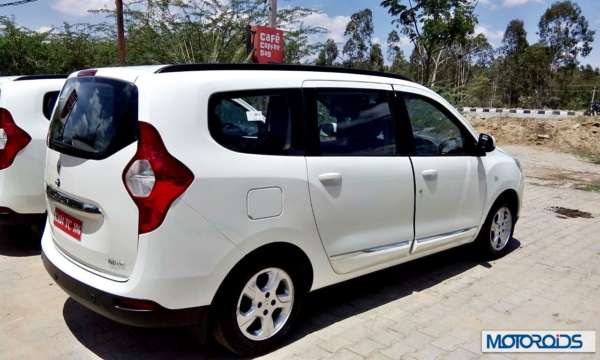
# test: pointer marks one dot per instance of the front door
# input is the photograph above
(361, 188)
(449, 177)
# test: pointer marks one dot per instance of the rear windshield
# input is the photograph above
(95, 117)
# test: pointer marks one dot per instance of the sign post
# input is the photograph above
(267, 45)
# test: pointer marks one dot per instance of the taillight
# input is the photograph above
(12, 139)
(154, 178)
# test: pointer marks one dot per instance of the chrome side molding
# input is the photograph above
(445, 235)
(376, 249)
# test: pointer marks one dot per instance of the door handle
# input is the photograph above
(430, 174)
(332, 178)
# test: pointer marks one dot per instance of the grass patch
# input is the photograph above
(589, 187)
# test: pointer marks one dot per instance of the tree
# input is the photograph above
(514, 40)
(537, 77)
(360, 32)
(470, 59)
(514, 47)
(121, 48)
(61, 50)
(433, 26)
(395, 54)
(565, 31)
(376, 61)
(328, 54)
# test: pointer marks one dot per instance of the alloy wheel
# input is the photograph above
(265, 304)
(501, 228)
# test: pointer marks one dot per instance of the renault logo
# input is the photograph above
(57, 182)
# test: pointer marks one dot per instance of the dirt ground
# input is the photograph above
(546, 167)
(554, 152)
(579, 136)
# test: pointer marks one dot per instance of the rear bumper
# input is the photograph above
(10, 217)
(114, 307)
(21, 187)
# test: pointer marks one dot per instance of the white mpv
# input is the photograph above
(220, 195)
(26, 103)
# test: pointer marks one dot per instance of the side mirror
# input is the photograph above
(485, 144)
(49, 102)
(328, 129)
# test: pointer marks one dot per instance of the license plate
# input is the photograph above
(68, 224)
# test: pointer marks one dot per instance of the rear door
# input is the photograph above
(92, 138)
(361, 187)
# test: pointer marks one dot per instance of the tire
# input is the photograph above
(250, 297)
(496, 235)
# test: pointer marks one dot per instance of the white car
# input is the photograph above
(26, 103)
(171, 203)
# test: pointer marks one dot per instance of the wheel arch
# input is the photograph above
(512, 199)
(292, 253)
(510, 195)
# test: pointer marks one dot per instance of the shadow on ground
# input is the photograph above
(324, 307)
(19, 241)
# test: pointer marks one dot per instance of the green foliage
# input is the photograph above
(446, 56)
(515, 38)
(158, 32)
(359, 32)
(62, 50)
(565, 31)
(433, 26)
(328, 53)
(515, 49)
(395, 54)
(376, 58)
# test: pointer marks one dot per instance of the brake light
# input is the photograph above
(87, 72)
(12, 139)
(154, 178)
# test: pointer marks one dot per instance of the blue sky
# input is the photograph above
(493, 16)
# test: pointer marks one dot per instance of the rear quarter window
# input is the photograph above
(266, 122)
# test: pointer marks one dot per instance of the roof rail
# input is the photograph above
(41, 77)
(276, 67)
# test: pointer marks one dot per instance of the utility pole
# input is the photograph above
(273, 13)
(120, 32)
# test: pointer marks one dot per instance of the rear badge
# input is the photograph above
(57, 182)
(115, 262)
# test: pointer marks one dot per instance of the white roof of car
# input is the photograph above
(131, 73)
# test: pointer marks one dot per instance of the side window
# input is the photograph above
(355, 122)
(434, 132)
(256, 122)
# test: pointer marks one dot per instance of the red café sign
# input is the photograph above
(267, 44)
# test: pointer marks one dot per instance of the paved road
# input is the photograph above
(431, 308)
